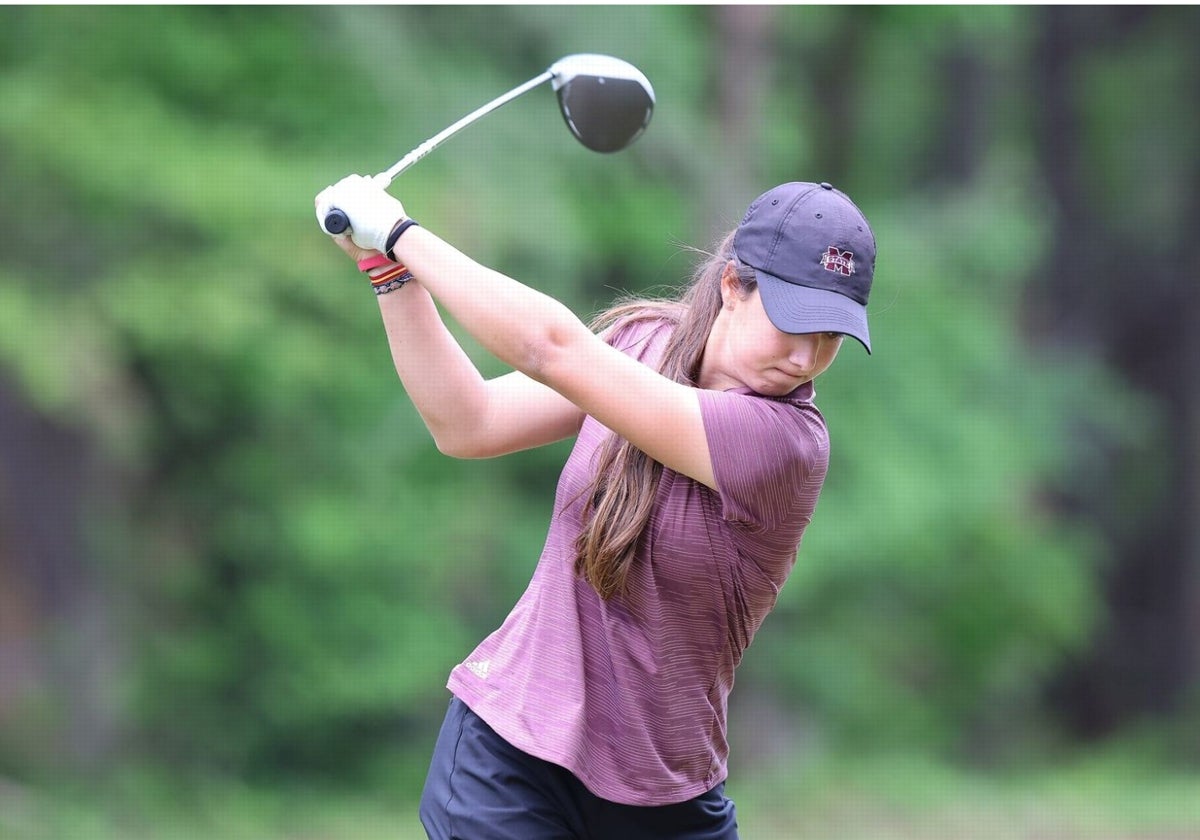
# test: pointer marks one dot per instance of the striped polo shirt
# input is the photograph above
(630, 694)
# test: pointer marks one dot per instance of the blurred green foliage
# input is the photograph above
(294, 567)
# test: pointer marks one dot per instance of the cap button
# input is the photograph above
(826, 186)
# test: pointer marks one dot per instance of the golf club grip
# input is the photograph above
(336, 221)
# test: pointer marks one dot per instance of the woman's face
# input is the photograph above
(748, 350)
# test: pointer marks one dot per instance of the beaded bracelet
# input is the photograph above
(390, 287)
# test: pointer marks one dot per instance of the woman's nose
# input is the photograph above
(804, 351)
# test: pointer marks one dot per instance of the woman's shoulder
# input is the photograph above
(639, 329)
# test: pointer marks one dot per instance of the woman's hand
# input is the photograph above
(371, 211)
(352, 250)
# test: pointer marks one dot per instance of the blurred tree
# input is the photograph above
(46, 581)
(1119, 160)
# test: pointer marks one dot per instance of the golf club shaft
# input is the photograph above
(337, 222)
(384, 179)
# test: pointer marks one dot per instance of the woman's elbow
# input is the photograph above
(553, 351)
(459, 446)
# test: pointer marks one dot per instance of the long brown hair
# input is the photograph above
(621, 495)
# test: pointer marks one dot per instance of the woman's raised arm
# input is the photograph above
(527, 329)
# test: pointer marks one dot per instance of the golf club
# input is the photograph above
(606, 103)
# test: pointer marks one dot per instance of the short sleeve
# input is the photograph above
(642, 339)
(769, 459)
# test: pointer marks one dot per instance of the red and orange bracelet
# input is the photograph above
(388, 280)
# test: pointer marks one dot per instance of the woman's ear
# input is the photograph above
(731, 286)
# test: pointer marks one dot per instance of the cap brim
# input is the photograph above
(799, 309)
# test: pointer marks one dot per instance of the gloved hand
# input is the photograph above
(372, 212)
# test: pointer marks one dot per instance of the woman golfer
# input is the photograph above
(598, 708)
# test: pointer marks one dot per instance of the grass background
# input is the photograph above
(1114, 794)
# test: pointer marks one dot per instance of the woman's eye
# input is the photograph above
(833, 336)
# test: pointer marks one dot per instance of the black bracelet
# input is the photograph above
(395, 235)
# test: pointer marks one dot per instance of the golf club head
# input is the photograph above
(606, 102)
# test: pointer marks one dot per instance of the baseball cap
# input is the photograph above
(814, 255)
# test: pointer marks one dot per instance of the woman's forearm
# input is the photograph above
(517, 324)
(444, 385)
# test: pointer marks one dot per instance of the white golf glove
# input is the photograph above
(371, 211)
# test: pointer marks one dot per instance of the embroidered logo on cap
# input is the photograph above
(838, 261)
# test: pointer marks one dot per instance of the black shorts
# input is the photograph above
(480, 787)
